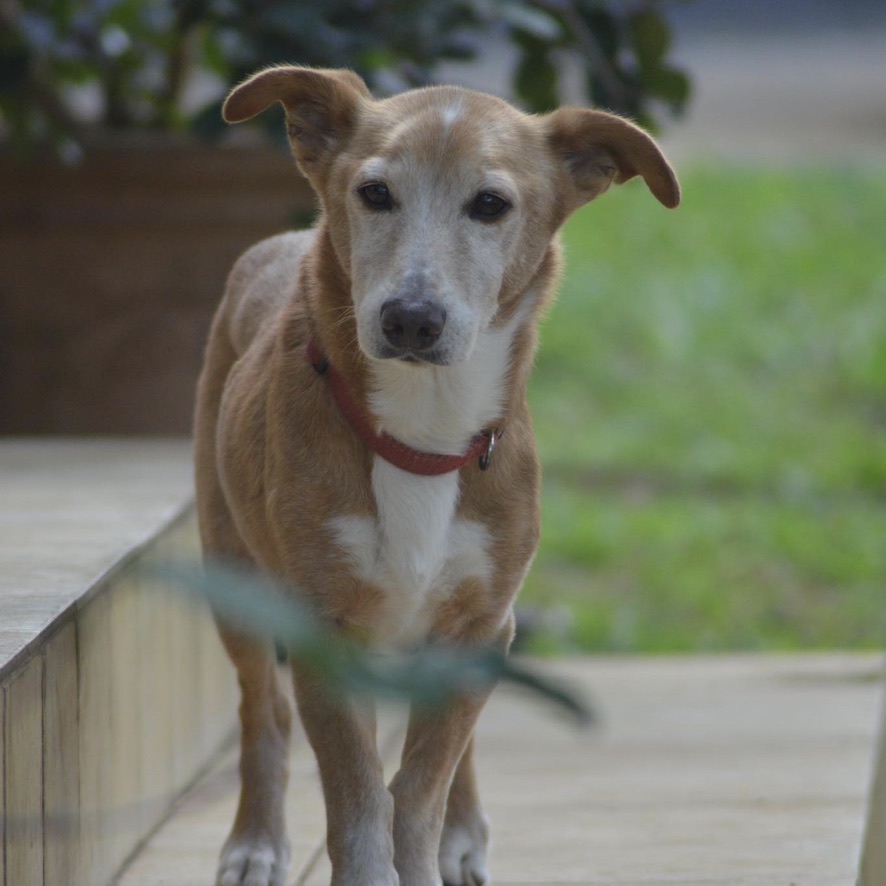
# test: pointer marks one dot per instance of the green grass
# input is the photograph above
(710, 401)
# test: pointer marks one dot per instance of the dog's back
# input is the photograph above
(261, 283)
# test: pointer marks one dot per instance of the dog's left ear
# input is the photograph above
(598, 149)
(321, 106)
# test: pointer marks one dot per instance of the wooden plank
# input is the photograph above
(2, 784)
(129, 822)
(873, 860)
(193, 738)
(183, 703)
(215, 694)
(23, 770)
(61, 761)
(156, 676)
(94, 657)
(219, 696)
(213, 677)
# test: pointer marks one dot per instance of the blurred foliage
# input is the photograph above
(428, 676)
(130, 63)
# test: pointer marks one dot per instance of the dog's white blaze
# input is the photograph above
(450, 114)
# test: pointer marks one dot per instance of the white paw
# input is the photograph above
(463, 855)
(253, 862)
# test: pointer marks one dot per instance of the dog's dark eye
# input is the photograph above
(488, 207)
(376, 196)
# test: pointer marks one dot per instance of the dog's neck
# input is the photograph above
(441, 408)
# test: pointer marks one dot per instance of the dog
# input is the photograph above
(362, 434)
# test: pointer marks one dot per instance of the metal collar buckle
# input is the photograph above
(486, 457)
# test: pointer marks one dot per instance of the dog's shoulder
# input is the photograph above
(263, 280)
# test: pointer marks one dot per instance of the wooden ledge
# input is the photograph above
(113, 694)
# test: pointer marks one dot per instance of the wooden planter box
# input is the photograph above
(110, 272)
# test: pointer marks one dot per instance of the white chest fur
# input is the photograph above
(417, 551)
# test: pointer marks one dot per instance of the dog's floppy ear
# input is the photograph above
(321, 106)
(598, 149)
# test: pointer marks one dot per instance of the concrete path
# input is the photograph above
(722, 771)
(807, 98)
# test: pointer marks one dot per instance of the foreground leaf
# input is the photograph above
(430, 676)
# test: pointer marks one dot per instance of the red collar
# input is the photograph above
(414, 461)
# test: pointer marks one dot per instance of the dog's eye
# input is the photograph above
(488, 207)
(376, 196)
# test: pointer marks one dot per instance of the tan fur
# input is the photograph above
(280, 472)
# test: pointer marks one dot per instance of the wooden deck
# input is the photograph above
(115, 699)
(736, 771)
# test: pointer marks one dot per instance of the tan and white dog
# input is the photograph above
(357, 378)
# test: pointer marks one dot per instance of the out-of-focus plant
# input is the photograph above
(69, 67)
(621, 49)
(430, 676)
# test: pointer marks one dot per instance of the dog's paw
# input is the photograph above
(362, 879)
(253, 862)
(463, 854)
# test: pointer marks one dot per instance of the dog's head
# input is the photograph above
(442, 202)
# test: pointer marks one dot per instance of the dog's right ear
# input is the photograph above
(321, 106)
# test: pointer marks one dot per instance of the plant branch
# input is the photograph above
(589, 46)
(41, 88)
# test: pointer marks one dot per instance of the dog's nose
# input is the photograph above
(412, 325)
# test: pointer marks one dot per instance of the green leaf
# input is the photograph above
(376, 58)
(292, 21)
(670, 85)
(650, 36)
(605, 30)
(647, 121)
(268, 609)
(536, 81)
(212, 54)
(13, 69)
(622, 93)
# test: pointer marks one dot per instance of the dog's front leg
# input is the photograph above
(436, 742)
(359, 808)
(465, 837)
(257, 851)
